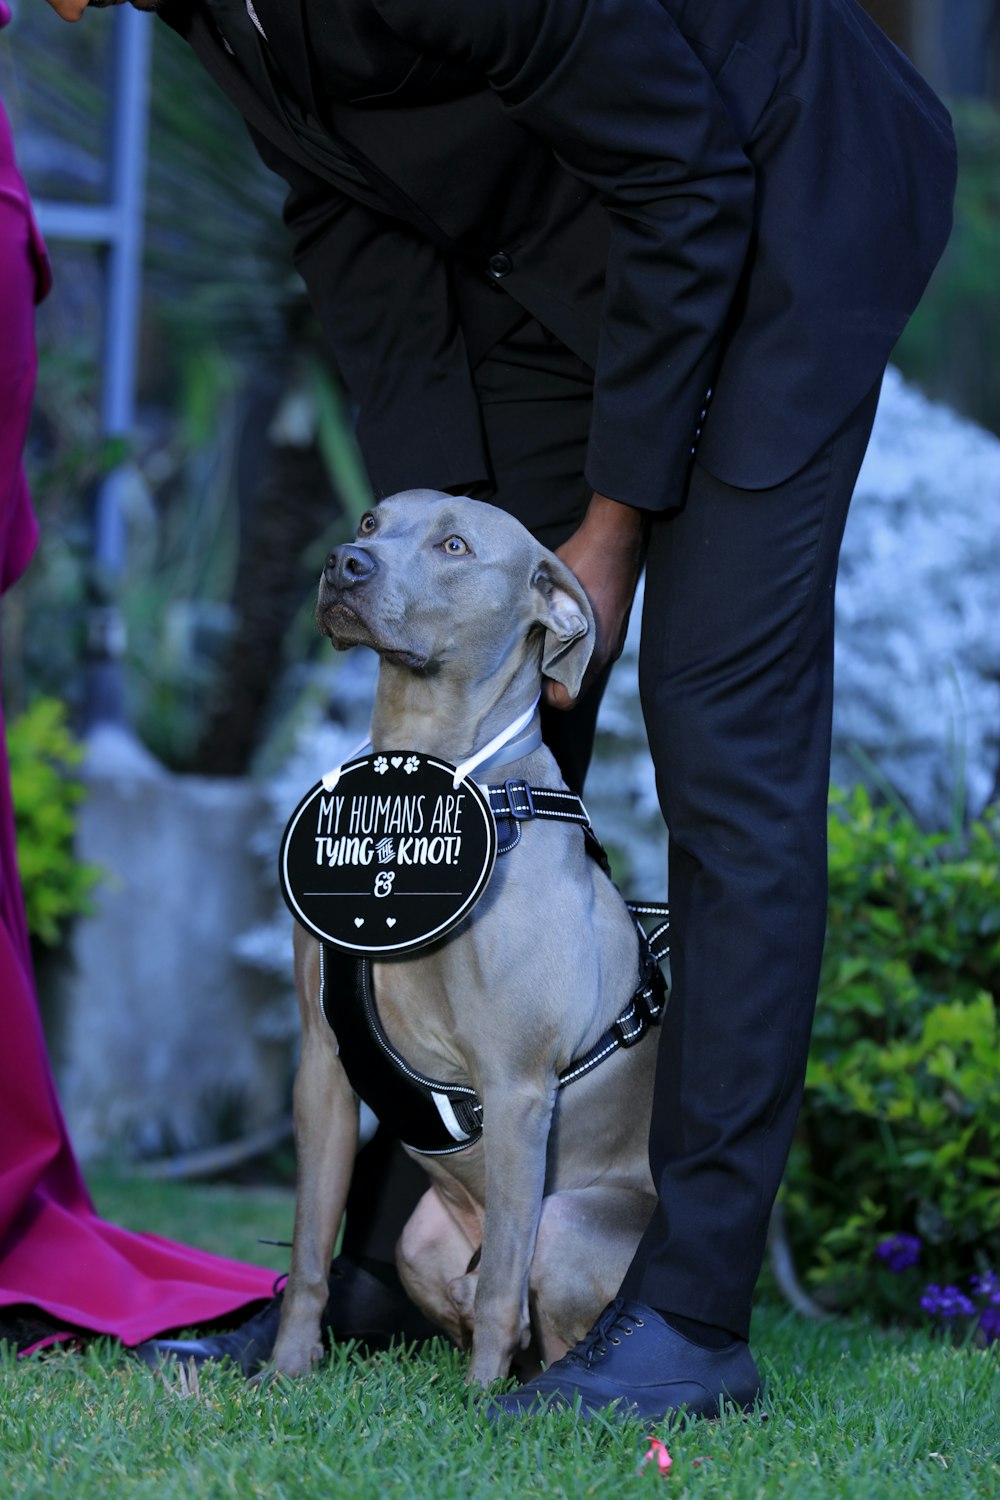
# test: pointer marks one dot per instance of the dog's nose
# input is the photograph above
(348, 565)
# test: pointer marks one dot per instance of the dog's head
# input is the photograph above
(433, 582)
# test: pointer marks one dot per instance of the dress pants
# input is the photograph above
(736, 682)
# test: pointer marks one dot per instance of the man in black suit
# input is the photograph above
(633, 269)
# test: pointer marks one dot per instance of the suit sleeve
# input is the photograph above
(617, 93)
(383, 299)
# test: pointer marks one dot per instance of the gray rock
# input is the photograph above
(918, 643)
(154, 1025)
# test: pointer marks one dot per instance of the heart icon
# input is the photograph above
(397, 761)
(390, 921)
(359, 921)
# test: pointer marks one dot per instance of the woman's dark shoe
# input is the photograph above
(637, 1364)
(27, 1330)
(360, 1307)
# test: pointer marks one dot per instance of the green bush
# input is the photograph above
(43, 754)
(900, 1127)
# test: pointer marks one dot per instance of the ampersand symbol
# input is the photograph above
(383, 882)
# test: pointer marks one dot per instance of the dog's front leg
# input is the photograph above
(517, 1120)
(326, 1137)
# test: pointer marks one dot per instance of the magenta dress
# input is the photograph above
(55, 1253)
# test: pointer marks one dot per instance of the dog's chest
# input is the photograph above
(429, 1012)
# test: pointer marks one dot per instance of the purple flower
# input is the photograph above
(987, 1287)
(899, 1252)
(989, 1323)
(946, 1302)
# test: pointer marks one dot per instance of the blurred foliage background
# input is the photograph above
(949, 347)
(243, 460)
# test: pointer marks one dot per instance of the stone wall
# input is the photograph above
(154, 1024)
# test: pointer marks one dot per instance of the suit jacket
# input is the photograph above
(743, 195)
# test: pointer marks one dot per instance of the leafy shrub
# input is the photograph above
(900, 1128)
(42, 755)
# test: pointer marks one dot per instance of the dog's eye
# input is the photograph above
(455, 546)
(367, 524)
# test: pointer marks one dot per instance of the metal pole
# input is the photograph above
(132, 44)
(116, 225)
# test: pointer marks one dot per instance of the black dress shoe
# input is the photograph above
(373, 1312)
(26, 1328)
(248, 1347)
(360, 1307)
(635, 1363)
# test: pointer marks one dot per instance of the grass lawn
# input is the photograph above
(853, 1411)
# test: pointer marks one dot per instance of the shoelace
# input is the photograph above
(614, 1321)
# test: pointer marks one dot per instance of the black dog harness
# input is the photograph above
(436, 1118)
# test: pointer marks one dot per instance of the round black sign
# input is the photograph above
(390, 858)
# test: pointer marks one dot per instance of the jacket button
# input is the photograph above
(500, 265)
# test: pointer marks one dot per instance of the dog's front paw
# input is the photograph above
(492, 1353)
(296, 1358)
(485, 1368)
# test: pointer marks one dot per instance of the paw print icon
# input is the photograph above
(380, 765)
(412, 762)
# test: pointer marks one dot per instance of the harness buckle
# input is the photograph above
(652, 1005)
(524, 813)
(644, 1011)
(629, 1028)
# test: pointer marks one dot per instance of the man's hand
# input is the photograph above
(605, 552)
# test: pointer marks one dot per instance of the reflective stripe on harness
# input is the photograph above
(436, 1118)
(431, 1116)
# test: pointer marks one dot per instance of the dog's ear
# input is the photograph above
(564, 610)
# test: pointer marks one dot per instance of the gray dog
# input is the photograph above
(523, 1236)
